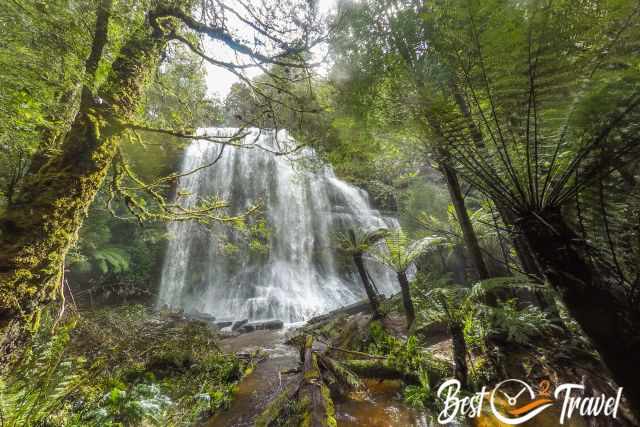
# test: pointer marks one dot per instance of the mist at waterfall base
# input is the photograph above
(301, 274)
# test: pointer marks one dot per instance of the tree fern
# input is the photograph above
(354, 242)
(111, 259)
(399, 252)
(547, 112)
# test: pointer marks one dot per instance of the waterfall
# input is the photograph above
(295, 272)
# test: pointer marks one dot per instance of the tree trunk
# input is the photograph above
(459, 354)
(45, 219)
(368, 286)
(527, 261)
(468, 233)
(530, 266)
(592, 295)
(68, 104)
(407, 302)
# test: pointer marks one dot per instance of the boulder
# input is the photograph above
(223, 323)
(239, 324)
(205, 317)
(263, 325)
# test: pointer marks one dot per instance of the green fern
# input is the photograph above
(420, 395)
(111, 259)
(464, 305)
(520, 325)
(38, 385)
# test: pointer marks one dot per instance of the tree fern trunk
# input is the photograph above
(407, 302)
(368, 286)
(527, 260)
(592, 294)
(468, 233)
(461, 371)
(44, 221)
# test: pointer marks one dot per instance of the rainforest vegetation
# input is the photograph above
(501, 136)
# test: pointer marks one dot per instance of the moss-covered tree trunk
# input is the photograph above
(68, 105)
(592, 294)
(44, 221)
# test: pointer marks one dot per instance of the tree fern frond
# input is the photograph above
(112, 258)
(399, 252)
(480, 289)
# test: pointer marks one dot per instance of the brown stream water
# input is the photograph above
(382, 408)
(258, 388)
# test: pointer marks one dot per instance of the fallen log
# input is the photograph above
(379, 369)
(355, 308)
(262, 325)
(223, 323)
(341, 381)
(238, 324)
(278, 408)
(383, 370)
(316, 402)
(309, 403)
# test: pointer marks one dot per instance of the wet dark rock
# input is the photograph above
(223, 323)
(263, 325)
(239, 324)
(204, 317)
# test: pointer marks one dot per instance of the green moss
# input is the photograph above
(331, 411)
(281, 405)
(312, 374)
(56, 199)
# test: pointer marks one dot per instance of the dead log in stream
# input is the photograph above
(381, 369)
(309, 404)
(314, 394)
(355, 308)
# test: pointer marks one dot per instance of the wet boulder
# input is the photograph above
(203, 317)
(263, 325)
(223, 323)
(239, 324)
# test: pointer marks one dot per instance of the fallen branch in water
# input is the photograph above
(381, 370)
(309, 403)
(353, 352)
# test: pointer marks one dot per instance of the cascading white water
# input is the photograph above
(300, 275)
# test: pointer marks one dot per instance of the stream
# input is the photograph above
(383, 408)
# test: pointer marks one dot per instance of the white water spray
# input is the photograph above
(300, 275)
